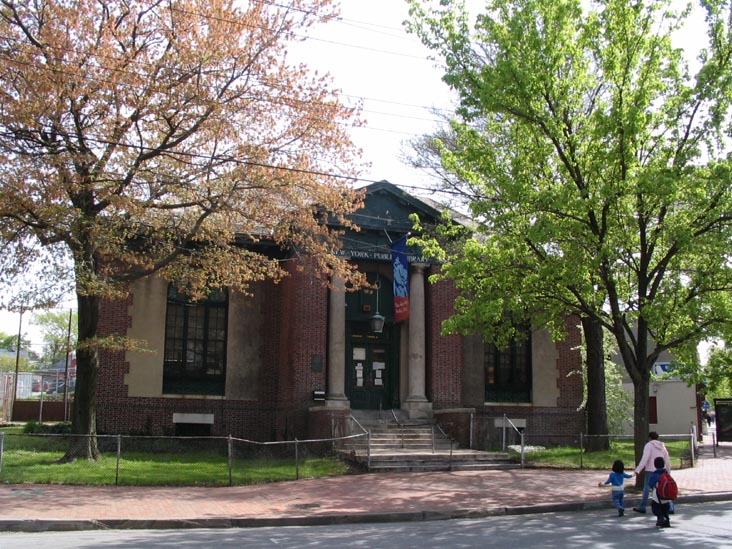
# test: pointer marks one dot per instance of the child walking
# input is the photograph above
(660, 507)
(616, 479)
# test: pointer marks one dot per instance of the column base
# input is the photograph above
(418, 409)
(337, 402)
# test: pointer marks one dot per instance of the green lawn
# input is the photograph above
(571, 457)
(187, 462)
(34, 459)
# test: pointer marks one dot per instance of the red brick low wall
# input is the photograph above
(30, 410)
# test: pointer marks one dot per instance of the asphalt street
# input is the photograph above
(697, 526)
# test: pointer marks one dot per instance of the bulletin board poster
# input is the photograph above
(723, 418)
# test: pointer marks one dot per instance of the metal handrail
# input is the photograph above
(364, 431)
(368, 442)
(396, 419)
(520, 434)
(448, 437)
(399, 424)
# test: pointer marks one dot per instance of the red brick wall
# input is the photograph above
(295, 330)
(118, 413)
(570, 362)
(544, 425)
(444, 353)
(552, 425)
(305, 307)
(30, 410)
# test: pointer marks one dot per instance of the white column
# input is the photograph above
(416, 403)
(336, 372)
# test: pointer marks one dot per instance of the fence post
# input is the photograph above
(40, 407)
(297, 462)
(119, 452)
(332, 433)
(2, 445)
(450, 454)
(470, 431)
(503, 444)
(523, 452)
(229, 451)
(692, 445)
(368, 451)
(582, 451)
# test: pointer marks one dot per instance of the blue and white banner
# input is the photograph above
(400, 263)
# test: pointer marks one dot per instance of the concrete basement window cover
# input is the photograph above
(203, 419)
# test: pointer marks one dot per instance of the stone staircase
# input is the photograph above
(398, 444)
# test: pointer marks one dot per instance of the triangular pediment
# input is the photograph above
(387, 207)
(384, 218)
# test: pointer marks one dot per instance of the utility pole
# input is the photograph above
(17, 364)
(66, 369)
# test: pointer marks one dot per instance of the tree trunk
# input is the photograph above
(597, 430)
(640, 418)
(84, 422)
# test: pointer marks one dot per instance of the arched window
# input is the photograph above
(195, 344)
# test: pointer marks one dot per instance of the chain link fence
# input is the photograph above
(165, 461)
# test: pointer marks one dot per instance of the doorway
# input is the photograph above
(371, 369)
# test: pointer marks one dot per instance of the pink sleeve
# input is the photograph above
(643, 459)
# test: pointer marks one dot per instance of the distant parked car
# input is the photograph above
(36, 386)
(58, 388)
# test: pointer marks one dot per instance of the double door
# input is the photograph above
(371, 368)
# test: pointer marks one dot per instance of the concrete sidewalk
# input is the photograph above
(338, 500)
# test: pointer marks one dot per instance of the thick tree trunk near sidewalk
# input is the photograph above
(83, 444)
(640, 420)
(597, 429)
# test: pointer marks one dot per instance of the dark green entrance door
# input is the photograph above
(370, 371)
(372, 358)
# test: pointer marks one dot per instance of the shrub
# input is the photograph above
(33, 427)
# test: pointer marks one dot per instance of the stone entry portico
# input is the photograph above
(416, 404)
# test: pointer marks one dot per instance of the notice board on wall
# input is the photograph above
(723, 418)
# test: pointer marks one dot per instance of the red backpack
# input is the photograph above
(666, 487)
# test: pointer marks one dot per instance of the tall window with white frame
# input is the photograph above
(195, 344)
(508, 371)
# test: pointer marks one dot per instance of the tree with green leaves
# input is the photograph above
(9, 342)
(8, 362)
(600, 165)
(58, 331)
(715, 376)
(426, 154)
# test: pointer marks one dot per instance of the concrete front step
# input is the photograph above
(414, 460)
(442, 466)
(409, 465)
(415, 446)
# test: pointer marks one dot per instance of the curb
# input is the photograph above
(60, 525)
